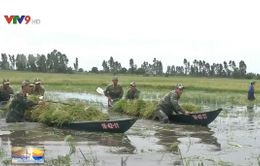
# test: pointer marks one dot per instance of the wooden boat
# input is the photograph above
(111, 126)
(200, 118)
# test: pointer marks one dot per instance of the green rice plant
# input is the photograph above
(37, 111)
(64, 160)
(174, 147)
(7, 162)
(149, 109)
(137, 108)
(202, 97)
(5, 108)
(60, 116)
(197, 89)
(89, 158)
(47, 117)
(87, 82)
(258, 159)
(145, 109)
(60, 160)
(2, 152)
(3, 156)
(59, 113)
(119, 105)
(33, 98)
(71, 142)
(201, 161)
(191, 107)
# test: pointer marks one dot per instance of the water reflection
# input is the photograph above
(120, 141)
(41, 134)
(250, 114)
(172, 133)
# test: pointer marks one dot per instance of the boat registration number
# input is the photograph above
(110, 125)
(200, 116)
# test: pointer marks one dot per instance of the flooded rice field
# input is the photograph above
(233, 138)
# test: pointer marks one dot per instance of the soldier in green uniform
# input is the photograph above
(5, 91)
(114, 92)
(38, 88)
(169, 105)
(31, 85)
(133, 92)
(19, 104)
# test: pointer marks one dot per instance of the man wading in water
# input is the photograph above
(169, 105)
(5, 91)
(114, 92)
(20, 104)
(251, 91)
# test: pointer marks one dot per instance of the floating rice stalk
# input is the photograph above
(174, 147)
(234, 144)
(2, 152)
(71, 142)
(182, 159)
(64, 160)
(89, 159)
(258, 159)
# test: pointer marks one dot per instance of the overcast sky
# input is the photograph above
(214, 31)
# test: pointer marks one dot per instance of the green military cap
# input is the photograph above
(115, 78)
(179, 86)
(37, 81)
(6, 82)
(133, 84)
(25, 83)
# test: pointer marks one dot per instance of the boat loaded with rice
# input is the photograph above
(199, 118)
(111, 126)
(145, 109)
(77, 116)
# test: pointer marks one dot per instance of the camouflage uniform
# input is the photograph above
(17, 108)
(114, 92)
(132, 94)
(38, 90)
(5, 93)
(167, 106)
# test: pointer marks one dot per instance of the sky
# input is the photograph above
(210, 30)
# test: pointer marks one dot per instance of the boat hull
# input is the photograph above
(111, 126)
(201, 118)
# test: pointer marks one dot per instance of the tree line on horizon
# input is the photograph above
(57, 62)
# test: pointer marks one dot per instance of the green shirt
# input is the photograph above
(38, 91)
(169, 103)
(5, 93)
(132, 94)
(115, 92)
(17, 108)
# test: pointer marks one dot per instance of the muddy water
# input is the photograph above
(232, 139)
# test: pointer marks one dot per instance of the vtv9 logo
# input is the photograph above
(23, 19)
